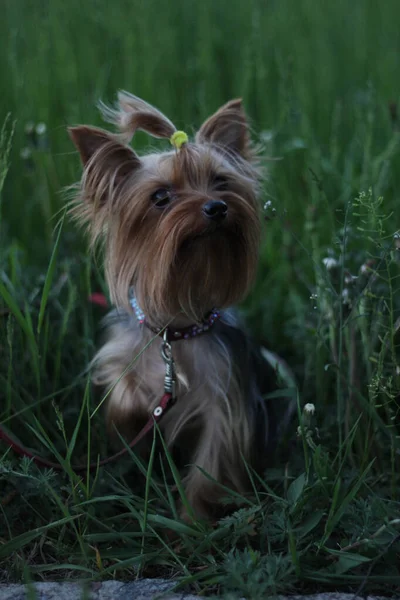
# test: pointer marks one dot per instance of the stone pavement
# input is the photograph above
(144, 589)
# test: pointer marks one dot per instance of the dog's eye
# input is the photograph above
(220, 183)
(161, 197)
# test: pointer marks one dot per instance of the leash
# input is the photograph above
(167, 400)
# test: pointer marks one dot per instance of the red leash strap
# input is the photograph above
(165, 403)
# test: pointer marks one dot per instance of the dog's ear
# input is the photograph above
(87, 140)
(107, 162)
(228, 129)
(132, 114)
(91, 141)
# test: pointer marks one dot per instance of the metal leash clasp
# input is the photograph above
(170, 373)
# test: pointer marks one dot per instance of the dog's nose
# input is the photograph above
(215, 210)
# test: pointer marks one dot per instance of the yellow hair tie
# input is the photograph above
(178, 138)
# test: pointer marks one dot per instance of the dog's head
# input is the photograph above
(181, 226)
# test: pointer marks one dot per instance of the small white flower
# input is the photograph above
(346, 298)
(313, 296)
(267, 205)
(364, 269)
(25, 153)
(396, 236)
(330, 262)
(309, 409)
(29, 127)
(41, 128)
(267, 135)
(350, 279)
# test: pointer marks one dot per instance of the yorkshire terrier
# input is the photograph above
(181, 235)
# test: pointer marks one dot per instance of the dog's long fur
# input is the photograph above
(181, 265)
(215, 373)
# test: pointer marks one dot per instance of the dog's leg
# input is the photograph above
(119, 368)
(217, 454)
(127, 407)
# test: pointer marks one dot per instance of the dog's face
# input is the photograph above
(181, 226)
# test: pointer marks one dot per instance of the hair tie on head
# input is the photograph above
(178, 138)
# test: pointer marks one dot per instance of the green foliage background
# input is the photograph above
(320, 82)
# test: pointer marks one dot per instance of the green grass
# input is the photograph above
(320, 83)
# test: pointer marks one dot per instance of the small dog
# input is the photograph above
(181, 235)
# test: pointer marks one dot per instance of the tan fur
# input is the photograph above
(181, 265)
(211, 404)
